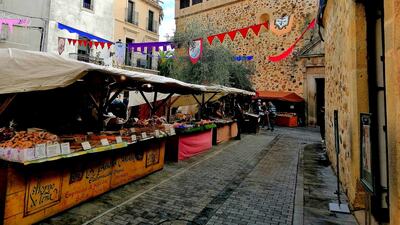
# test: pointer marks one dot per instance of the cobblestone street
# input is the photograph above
(252, 181)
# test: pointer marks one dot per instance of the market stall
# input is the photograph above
(290, 107)
(225, 130)
(63, 140)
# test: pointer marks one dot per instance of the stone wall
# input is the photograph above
(392, 55)
(346, 89)
(286, 75)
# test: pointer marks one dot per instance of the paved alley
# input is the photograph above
(252, 181)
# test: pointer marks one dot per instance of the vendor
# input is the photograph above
(118, 107)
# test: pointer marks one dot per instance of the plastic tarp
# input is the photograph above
(25, 71)
(279, 96)
(193, 144)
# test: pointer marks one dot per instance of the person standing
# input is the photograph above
(239, 117)
(271, 115)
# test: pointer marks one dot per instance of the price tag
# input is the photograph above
(133, 130)
(133, 137)
(118, 139)
(144, 135)
(65, 148)
(40, 151)
(157, 133)
(172, 131)
(53, 150)
(29, 154)
(86, 145)
(104, 142)
(89, 133)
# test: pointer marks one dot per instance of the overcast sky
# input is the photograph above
(168, 24)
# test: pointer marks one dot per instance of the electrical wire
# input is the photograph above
(32, 17)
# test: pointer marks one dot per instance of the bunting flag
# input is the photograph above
(256, 29)
(286, 53)
(232, 35)
(210, 39)
(85, 43)
(221, 37)
(195, 50)
(149, 46)
(244, 32)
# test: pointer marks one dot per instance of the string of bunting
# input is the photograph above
(288, 51)
(150, 45)
(89, 43)
(243, 31)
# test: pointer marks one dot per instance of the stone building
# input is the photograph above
(362, 82)
(138, 21)
(299, 73)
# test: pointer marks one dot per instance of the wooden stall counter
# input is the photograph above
(225, 132)
(37, 191)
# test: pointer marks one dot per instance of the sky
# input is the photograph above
(168, 24)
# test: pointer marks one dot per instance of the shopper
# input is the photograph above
(271, 115)
(239, 117)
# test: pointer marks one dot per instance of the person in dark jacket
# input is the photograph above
(271, 115)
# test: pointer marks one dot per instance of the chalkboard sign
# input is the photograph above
(366, 152)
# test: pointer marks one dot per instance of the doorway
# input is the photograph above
(320, 100)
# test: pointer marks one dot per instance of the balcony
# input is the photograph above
(132, 16)
(86, 58)
(152, 25)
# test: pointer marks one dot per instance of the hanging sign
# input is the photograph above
(195, 50)
(366, 152)
(243, 58)
(13, 22)
(61, 45)
(120, 53)
(150, 45)
(282, 26)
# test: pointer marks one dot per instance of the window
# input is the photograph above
(184, 4)
(128, 53)
(150, 22)
(88, 4)
(194, 2)
(131, 14)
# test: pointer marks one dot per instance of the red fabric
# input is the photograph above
(191, 145)
(244, 31)
(80, 42)
(285, 121)
(279, 96)
(74, 42)
(96, 44)
(85, 43)
(291, 48)
(109, 45)
(102, 44)
(69, 41)
(266, 25)
(256, 29)
(221, 37)
(232, 34)
(90, 44)
(210, 39)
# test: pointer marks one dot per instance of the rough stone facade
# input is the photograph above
(392, 54)
(346, 89)
(223, 16)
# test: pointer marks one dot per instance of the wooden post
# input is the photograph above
(3, 188)
(154, 109)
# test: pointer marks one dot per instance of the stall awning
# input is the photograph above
(81, 33)
(25, 71)
(279, 96)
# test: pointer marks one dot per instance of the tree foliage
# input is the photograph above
(216, 65)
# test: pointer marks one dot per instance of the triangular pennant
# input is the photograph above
(74, 42)
(69, 41)
(232, 35)
(244, 31)
(85, 42)
(210, 39)
(256, 29)
(266, 25)
(96, 44)
(109, 45)
(221, 37)
(80, 42)
(102, 44)
(90, 44)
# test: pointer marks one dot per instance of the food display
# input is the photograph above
(34, 143)
(190, 127)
